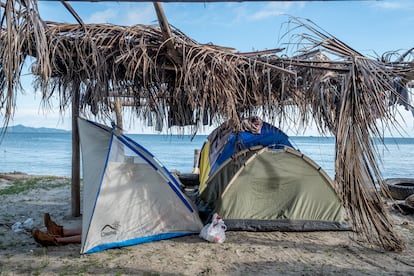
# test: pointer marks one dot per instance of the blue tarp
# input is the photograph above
(270, 136)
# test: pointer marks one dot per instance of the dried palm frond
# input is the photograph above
(108, 58)
(351, 103)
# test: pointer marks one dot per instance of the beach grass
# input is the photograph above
(25, 185)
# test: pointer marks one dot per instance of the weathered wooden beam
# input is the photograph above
(119, 104)
(73, 12)
(118, 113)
(75, 181)
(168, 37)
(261, 53)
(162, 19)
(206, 1)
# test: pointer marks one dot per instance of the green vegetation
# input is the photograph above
(150, 273)
(25, 185)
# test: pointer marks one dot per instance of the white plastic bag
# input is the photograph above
(19, 226)
(28, 224)
(214, 231)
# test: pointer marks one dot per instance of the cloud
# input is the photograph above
(393, 5)
(139, 15)
(124, 15)
(105, 16)
(39, 118)
(273, 9)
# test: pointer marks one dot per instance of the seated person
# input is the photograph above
(56, 234)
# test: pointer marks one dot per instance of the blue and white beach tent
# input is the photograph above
(128, 197)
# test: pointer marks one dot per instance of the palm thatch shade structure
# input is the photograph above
(174, 78)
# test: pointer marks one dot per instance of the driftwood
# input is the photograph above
(187, 83)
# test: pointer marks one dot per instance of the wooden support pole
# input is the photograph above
(162, 19)
(75, 151)
(168, 37)
(196, 166)
(73, 12)
(118, 113)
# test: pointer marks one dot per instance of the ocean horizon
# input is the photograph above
(43, 153)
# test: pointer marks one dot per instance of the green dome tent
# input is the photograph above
(273, 189)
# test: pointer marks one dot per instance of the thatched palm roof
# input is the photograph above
(184, 82)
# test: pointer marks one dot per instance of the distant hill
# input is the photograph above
(26, 129)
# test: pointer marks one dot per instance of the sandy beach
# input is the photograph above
(242, 253)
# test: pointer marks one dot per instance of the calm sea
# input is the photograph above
(50, 153)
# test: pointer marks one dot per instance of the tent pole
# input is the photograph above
(75, 151)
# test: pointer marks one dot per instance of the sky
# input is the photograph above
(370, 27)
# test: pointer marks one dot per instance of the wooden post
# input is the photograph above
(75, 151)
(118, 113)
(196, 165)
